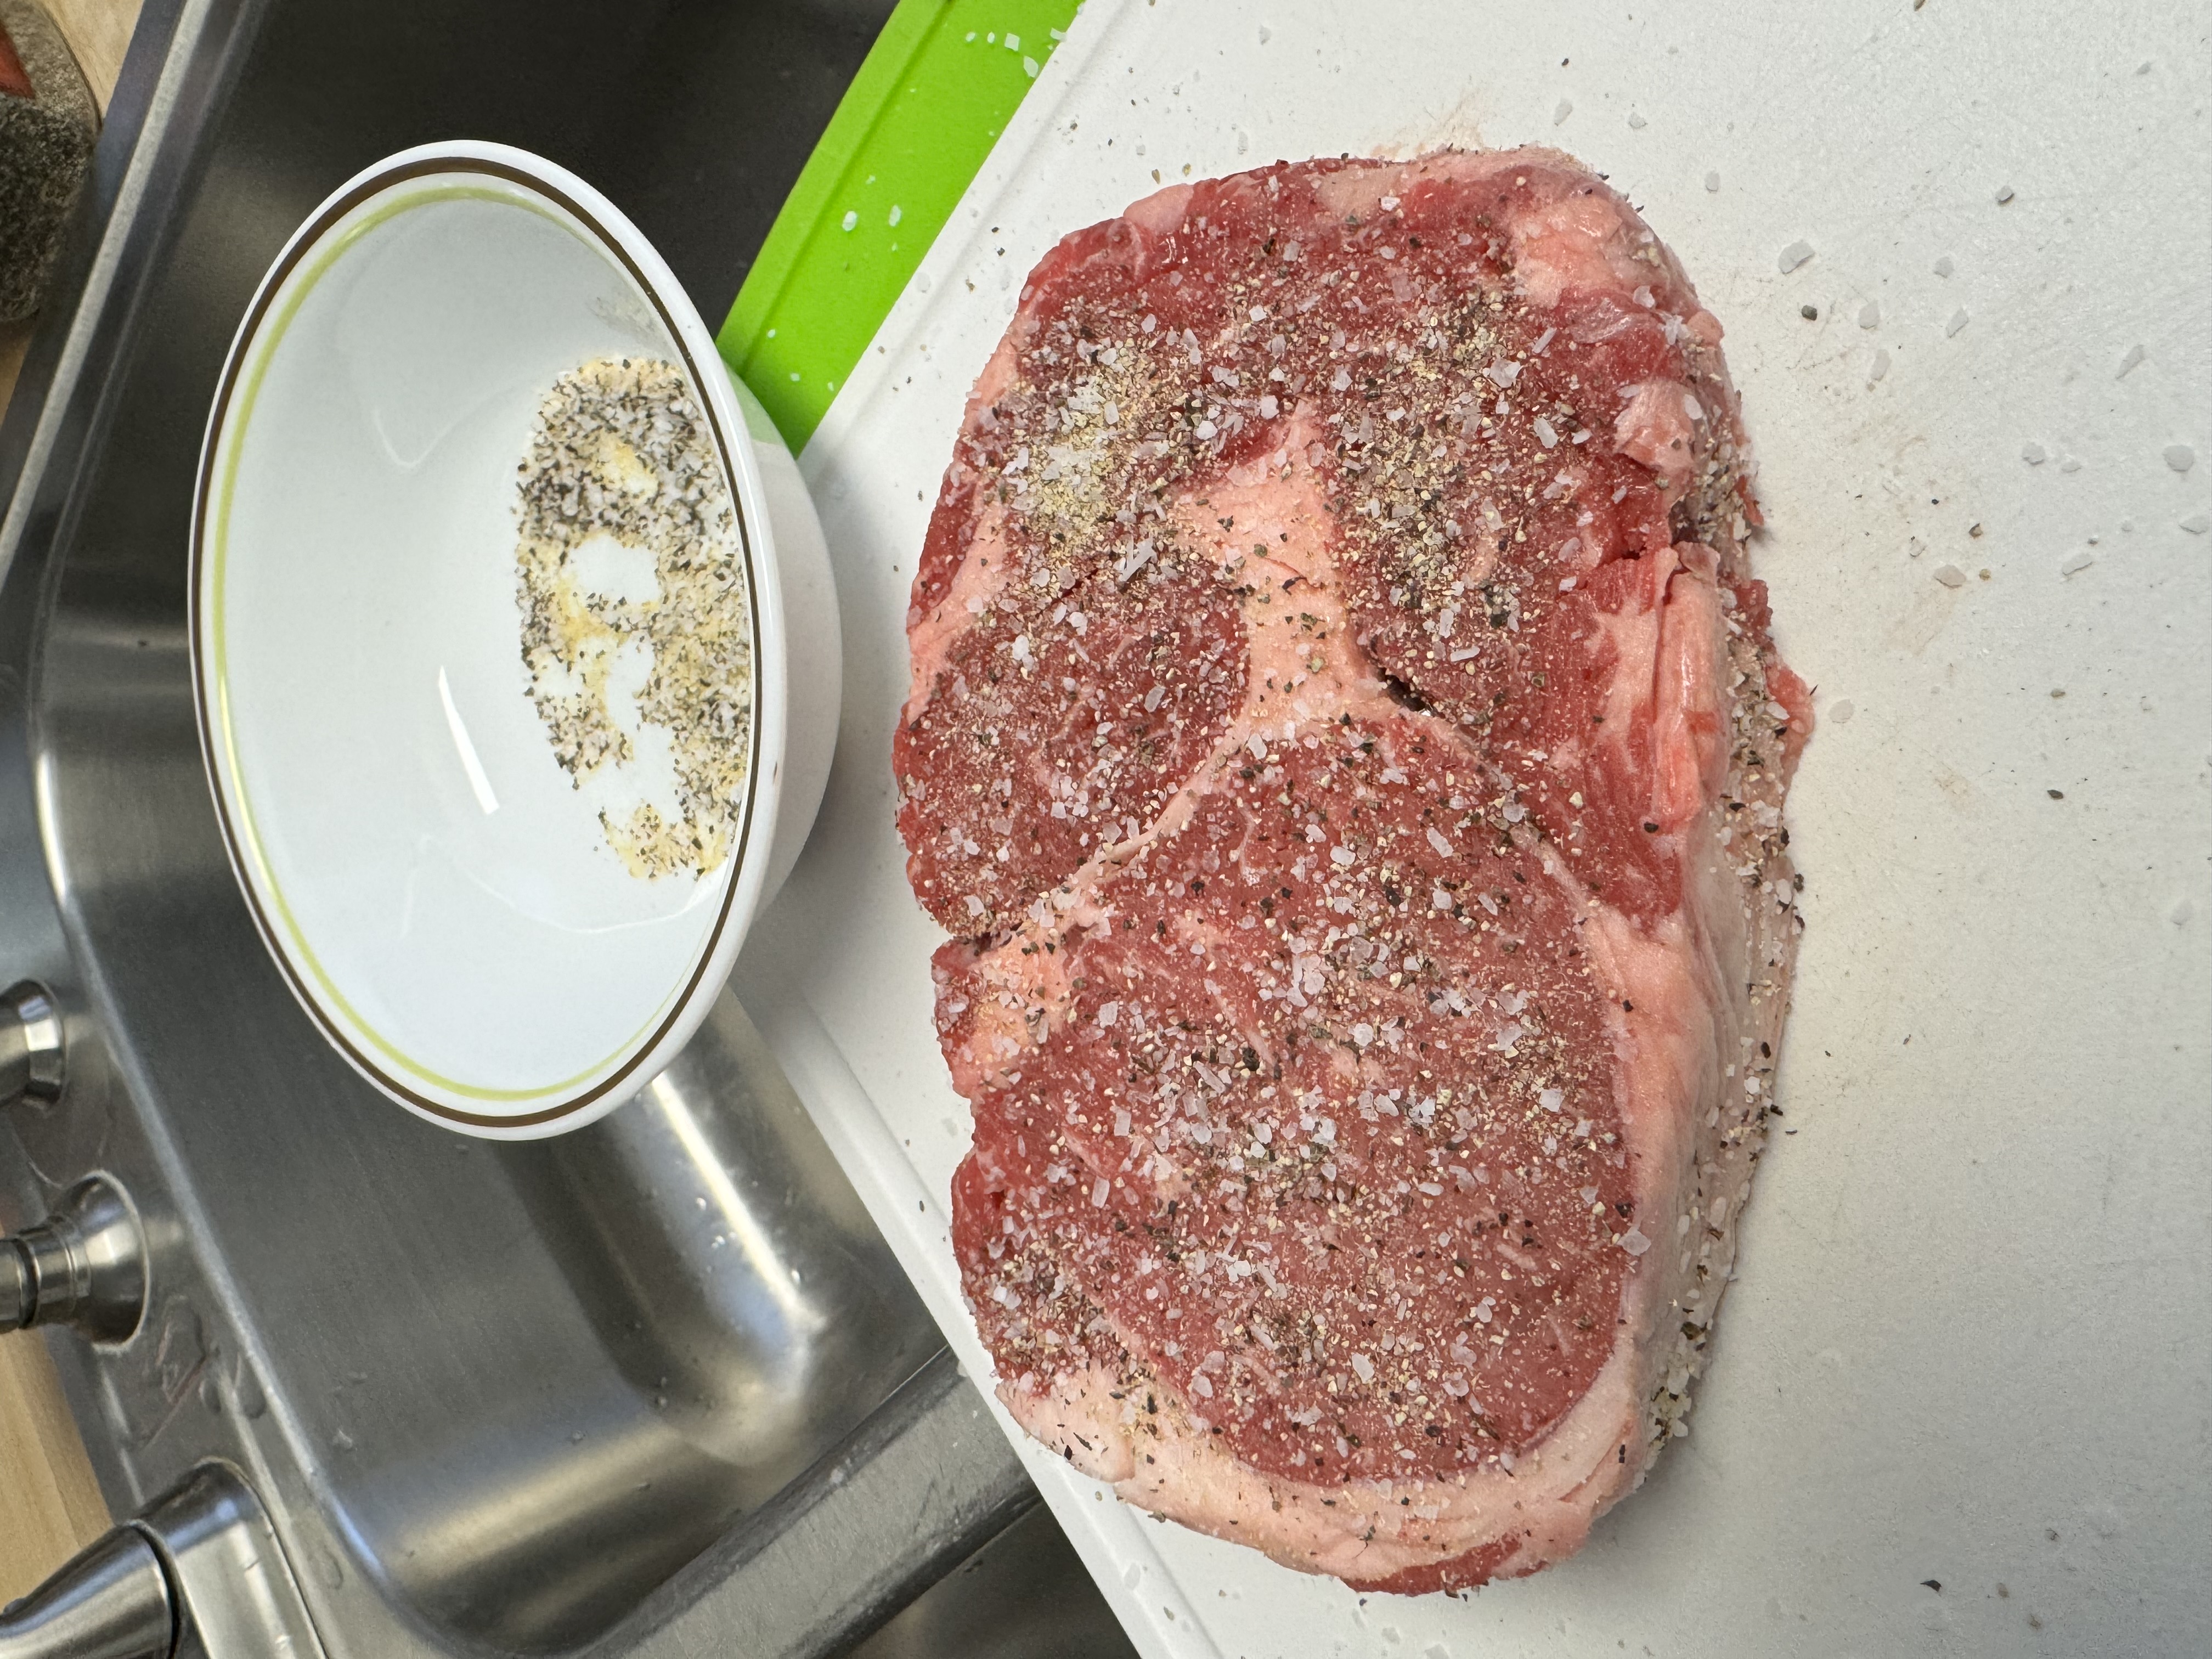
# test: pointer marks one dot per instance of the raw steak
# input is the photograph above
(1346, 747)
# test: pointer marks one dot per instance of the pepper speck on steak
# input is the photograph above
(1346, 748)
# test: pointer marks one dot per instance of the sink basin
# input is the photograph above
(656, 1385)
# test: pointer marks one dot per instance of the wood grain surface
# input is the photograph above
(50, 1505)
(98, 32)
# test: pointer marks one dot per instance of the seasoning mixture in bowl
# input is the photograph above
(498, 582)
(630, 577)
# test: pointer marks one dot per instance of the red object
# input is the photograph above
(15, 81)
(1346, 743)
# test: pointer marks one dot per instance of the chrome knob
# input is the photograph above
(30, 1045)
(200, 1572)
(15, 1286)
(84, 1266)
(110, 1602)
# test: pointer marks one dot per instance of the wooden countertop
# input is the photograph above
(50, 1505)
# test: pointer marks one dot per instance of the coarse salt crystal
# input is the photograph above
(1794, 256)
(1364, 1366)
(2180, 457)
(1950, 575)
(2075, 561)
(1634, 1241)
(2034, 454)
(1958, 321)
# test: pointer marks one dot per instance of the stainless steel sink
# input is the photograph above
(659, 1387)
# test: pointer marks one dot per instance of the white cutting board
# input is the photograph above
(1971, 1340)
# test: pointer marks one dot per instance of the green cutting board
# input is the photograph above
(931, 99)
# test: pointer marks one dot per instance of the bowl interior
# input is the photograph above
(441, 892)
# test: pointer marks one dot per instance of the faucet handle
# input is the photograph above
(203, 1559)
(110, 1602)
(84, 1266)
(19, 1290)
(30, 1045)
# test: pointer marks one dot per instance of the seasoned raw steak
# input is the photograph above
(1346, 745)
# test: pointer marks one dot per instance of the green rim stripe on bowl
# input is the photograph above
(914, 129)
(249, 834)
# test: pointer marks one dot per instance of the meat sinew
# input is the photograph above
(1346, 746)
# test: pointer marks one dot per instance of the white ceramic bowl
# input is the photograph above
(440, 895)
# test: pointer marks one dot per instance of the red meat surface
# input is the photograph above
(1345, 746)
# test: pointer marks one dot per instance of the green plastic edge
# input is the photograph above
(913, 130)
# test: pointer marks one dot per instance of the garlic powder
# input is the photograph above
(621, 451)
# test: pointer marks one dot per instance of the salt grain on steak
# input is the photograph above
(1346, 745)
